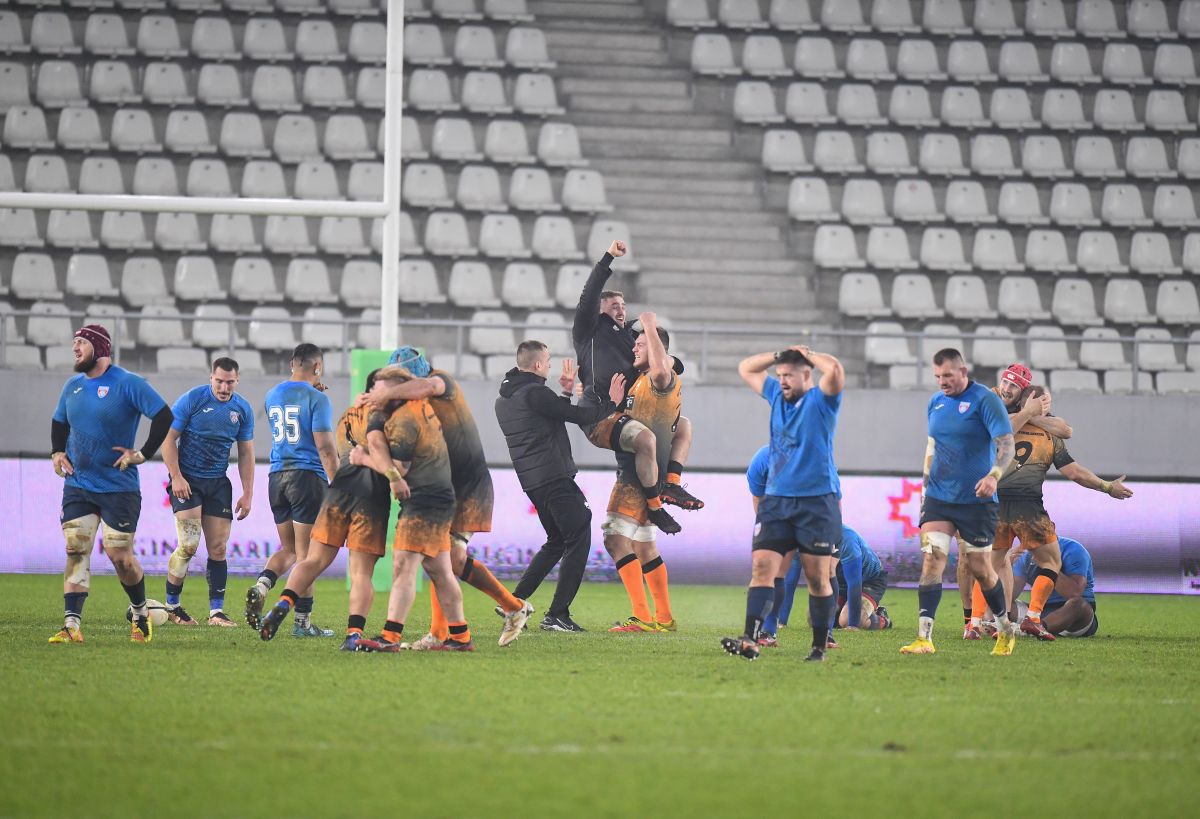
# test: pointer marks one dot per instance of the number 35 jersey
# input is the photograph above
(1036, 451)
(295, 410)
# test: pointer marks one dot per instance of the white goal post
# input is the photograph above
(388, 209)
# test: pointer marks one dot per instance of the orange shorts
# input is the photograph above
(473, 505)
(424, 530)
(615, 432)
(628, 500)
(347, 520)
(1025, 521)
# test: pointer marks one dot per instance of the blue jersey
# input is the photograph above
(103, 412)
(801, 464)
(853, 549)
(1075, 561)
(756, 475)
(207, 428)
(295, 410)
(963, 427)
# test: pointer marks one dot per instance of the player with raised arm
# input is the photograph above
(969, 436)
(604, 347)
(208, 420)
(97, 415)
(303, 461)
(800, 508)
(1070, 610)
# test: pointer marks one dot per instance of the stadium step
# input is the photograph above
(584, 45)
(692, 312)
(744, 279)
(650, 88)
(642, 150)
(591, 9)
(707, 216)
(723, 249)
(619, 132)
(620, 72)
(721, 297)
(599, 27)
(612, 103)
(723, 169)
(676, 230)
(658, 183)
(641, 119)
(580, 54)
(682, 200)
(698, 262)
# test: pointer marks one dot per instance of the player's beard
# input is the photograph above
(86, 364)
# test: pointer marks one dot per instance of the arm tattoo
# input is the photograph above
(1005, 449)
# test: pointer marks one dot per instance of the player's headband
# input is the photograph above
(411, 359)
(1018, 375)
(97, 336)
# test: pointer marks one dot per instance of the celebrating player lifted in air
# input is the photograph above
(208, 420)
(800, 509)
(91, 441)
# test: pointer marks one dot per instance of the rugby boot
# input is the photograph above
(255, 598)
(454, 645)
(220, 619)
(424, 644)
(351, 642)
(379, 645)
(831, 643)
(1006, 640)
(553, 622)
(885, 619)
(273, 620)
(921, 645)
(310, 630)
(667, 626)
(662, 519)
(817, 655)
(768, 640)
(1034, 628)
(141, 630)
(66, 634)
(633, 624)
(179, 616)
(740, 647)
(971, 633)
(676, 495)
(514, 622)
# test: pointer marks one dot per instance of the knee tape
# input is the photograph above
(460, 539)
(113, 539)
(935, 542)
(80, 535)
(622, 526)
(188, 530)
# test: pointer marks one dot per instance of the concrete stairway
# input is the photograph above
(712, 252)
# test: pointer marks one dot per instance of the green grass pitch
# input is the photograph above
(215, 723)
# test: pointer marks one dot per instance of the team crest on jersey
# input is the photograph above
(963, 406)
(234, 417)
(101, 391)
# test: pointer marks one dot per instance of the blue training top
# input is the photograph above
(1075, 561)
(963, 427)
(207, 428)
(103, 412)
(295, 410)
(756, 474)
(801, 460)
(857, 565)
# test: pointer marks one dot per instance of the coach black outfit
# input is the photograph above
(534, 420)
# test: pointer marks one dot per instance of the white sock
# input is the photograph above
(71, 621)
(925, 628)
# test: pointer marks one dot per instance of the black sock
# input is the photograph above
(217, 574)
(674, 468)
(995, 600)
(467, 568)
(173, 592)
(651, 492)
(818, 613)
(758, 606)
(73, 606)
(392, 628)
(304, 605)
(966, 615)
(269, 576)
(356, 621)
(137, 593)
(928, 598)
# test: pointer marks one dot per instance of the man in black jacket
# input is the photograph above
(604, 346)
(534, 420)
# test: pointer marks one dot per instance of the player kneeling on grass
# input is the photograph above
(208, 420)
(862, 582)
(1070, 611)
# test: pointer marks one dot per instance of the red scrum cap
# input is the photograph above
(1018, 374)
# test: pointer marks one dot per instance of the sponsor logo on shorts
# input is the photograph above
(963, 406)
(101, 391)
(822, 545)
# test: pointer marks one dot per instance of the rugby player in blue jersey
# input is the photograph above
(800, 509)
(1071, 609)
(91, 443)
(304, 459)
(862, 582)
(208, 420)
(969, 446)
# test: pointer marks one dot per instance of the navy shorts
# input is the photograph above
(295, 495)
(875, 587)
(975, 522)
(813, 525)
(214, 496)
(120, 510)
(1085, 632)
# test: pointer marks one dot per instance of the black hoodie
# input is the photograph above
(534, 420)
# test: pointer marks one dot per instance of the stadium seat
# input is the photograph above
(242, 136)
(18, 228)
(7, 177)
(1046, 252)
(966, 297)
(475, 47)
(428, 90)
(287, 235)
(887, 249)
(212, 39)
(1074, 381)
(58, 85)
(479, 189)
(325, 87)
(1019, 300)
(273, 88)
(25, 127)
(1048, 349)
(1071, 204)
(524, 285)
(253, 280)
(996, 347)
(962, 107)
(991, 155)
(1019, 204)
(995, 251)
(912, 201)
(1071, 63)
(271, 329)
(762, 56)
(1191, 253)
(326, 327)
(1010, 109)
(910, 106)
(910, 377)
(1188, 22)
(1074, 303)
(1096, 252)
(12, 39)
(340, 235)
(220, 85)
(886, 344)
(602, 234)
(754, 103)
(1062, 109)
(487, 338)
(181, 359)
(1177, 304)
(1187, 158)
(87, 275)
(367, 42)
(370, 85)
(1155, 350)
(966, 203)
(50, 324)
(157, 36)
(569, 283)
(424, 186)
(263, 179)
(743, 14)
(912, 297)
(14, 87)
(187, 133)
(1148, 19)
(505, 142)
(1097, 19)
(786, 15)
(941, 249)
(1101, 349)
(967, 61)
(1019, 62)
(834, 247)
(1042, 156)
(233, 233)
(917, 60)
(154, 176)
(50, 33)
(419, 283)
(552, 329)
(307, 280)
(212, 326)
(178, 232)
(534, 95)
(1120, 382)
(454, 140)
(1123, 65)
(860, 296)
(34, 277)
(196, 280)
(1150, 255)
(1122, 205)
(1113, 111)
(160, 326)
(583, 191)
(317, 42)
(22, 357)
(529, 189)
(45, 173)
(833, 152)
(887, 153)
(805, 103)
(360, 282)
(941, 155)
(866, 59)
(1095, 157)
(558, 145)
(1146, 158)
(165, 84)
(1174, 64)
(814, 58)
(1046, 18)
(862, 203)
(79, 130)
(263, 39)
(483, 93)
(857, 105)
(783, 152)
(70, 229)
(316, 180)
(446, 235)
(936, 337)
(112, 81)
(346, 138)
(1125, 303)
(144, 283)
(1174, 206)
(471, 285)
(996, 18)
(1173, 383)
(525, 48)
(944, 17)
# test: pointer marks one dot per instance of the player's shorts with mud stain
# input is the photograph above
(616, 432)
(1025, 521)
(474, 500)
(424, 529)
(629, 500)
(360, 524)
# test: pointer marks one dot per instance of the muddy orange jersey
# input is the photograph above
(1036, 451)
(659, 410)
(467, 460)
(414, 436)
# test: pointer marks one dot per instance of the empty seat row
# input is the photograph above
(859, 104)
(1046, 251)
(479, 188)
(482, 92)
(1073, 303)
(991, 18)
(863, 202)
(966, 61)
(475, 47)
(1039, 155)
